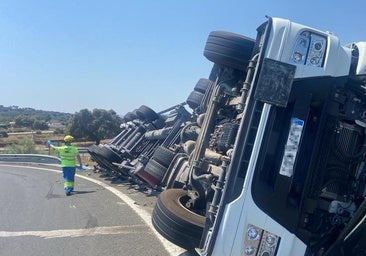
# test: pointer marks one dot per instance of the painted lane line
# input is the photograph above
(115, 230)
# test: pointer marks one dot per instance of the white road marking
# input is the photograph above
(172, 249)
(116, 230)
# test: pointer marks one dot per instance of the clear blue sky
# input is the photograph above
(69, 55)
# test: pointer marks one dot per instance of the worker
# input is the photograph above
(68, 154)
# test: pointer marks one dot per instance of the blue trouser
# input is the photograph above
(68, 174)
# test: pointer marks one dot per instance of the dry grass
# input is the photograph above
(40, 140)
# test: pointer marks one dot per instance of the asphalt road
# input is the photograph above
(36, 218)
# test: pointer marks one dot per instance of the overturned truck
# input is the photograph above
(278, 165)
(148, 141)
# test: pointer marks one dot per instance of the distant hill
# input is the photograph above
(12, 112)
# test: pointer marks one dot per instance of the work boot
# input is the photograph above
(68, 191)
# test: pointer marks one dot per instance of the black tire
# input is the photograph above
(92, 149)
(97, 150)
(110, 155)
(202, 85)
(229, 49)
(155, 171)
(134, 113)
(175, 222)
(93, 152)
(129, 116)
(163, 156)
(159, 123)
(194, 99)
(146, 113)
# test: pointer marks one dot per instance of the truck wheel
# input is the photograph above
(163, 156)
(92, 149)
(159, 123)
(175, 222)
(109, 154)
(194, 99)
(229, 49)
(153, 172)
(96, 150)
(202, 85)
(134, 113)
(129, 116)
(146, 113)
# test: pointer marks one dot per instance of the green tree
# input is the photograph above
(97, 125)
(3, 134)
(80, 124)
(33, 122)
(39, 125)
(24, 121)
(4, 120)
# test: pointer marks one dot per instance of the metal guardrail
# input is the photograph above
(29, 158)
(83, 150)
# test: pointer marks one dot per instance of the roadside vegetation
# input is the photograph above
(23, 146)
(25, 130)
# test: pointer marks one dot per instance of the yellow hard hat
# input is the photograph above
(68, 138)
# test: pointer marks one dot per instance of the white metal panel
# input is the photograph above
(243, 211)
(282, 42)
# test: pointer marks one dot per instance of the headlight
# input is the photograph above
(249, 250)
(260, 242)
(271, 240)
(253, 233)
(309, 49)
